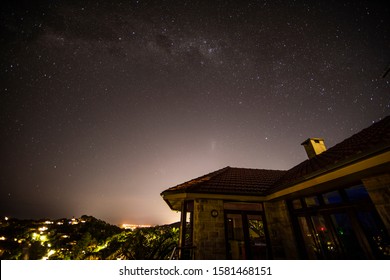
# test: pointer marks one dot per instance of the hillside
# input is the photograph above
(83, 238)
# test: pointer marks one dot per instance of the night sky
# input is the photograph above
(105, 104)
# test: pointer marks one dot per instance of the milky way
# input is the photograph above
(106, 104)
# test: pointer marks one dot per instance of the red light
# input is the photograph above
(322, 229)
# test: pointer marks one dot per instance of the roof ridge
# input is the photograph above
(263, 169)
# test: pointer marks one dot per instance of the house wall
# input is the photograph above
(378, 188)
(280, 230)
(209, 232)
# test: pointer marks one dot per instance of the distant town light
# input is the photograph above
(3, 238)
(6, 218)
(133, 226)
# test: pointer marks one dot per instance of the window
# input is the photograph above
(340, 224)
(332, 197)
(312, 201)
(357, 193)
(297, 204)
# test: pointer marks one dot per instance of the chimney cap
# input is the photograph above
(314, 146)
(315, 139)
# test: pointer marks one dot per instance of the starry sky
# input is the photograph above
(105, 104)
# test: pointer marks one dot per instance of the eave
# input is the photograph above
(174, 199)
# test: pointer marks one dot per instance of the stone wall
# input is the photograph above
(280, 231)
(209, 231)
(378, 188)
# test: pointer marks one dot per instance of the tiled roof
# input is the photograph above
(230, 180)
(246, 181)
(366, 142)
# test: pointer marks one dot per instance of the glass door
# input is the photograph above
(325, 237)
(333, 235)
(310, 239)
(376, 234)
(318, 237)
(246, 236)
(349, 244)
(340, 224)
(257, 240)
(236, 239)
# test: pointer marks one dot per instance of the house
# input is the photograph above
(334, 205)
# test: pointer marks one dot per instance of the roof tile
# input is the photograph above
(230, 180)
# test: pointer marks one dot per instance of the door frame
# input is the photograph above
(245, 226)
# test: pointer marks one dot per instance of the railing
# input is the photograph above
(173, 254)
(183, 253)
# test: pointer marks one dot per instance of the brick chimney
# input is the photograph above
(314, 146)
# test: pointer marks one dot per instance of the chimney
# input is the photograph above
(314, 146)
